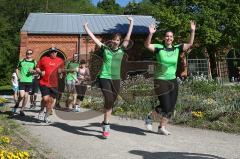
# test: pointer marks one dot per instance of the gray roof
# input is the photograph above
(63, 23)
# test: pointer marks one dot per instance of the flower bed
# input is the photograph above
(13, 146)
(2, 101)
(206, 104)
(201, 103)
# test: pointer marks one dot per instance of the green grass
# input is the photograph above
(227, 123)
(6, 90)
(7, 87)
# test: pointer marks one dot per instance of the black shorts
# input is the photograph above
(51, 91)
(110, 89)
(167, 92)
(35, 87)
(81, 90)
(27, 87)
(61, 85)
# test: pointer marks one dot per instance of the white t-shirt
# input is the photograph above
(14, 79)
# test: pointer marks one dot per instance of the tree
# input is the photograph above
(7, 51)
(145, 7)
(218, 22)
(110, 7)
(131, 8)
(71, 6)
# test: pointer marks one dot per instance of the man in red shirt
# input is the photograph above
(48, 67)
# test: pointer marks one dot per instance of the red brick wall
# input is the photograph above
(67, 44)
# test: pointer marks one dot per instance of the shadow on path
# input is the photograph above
(65, 114)
(76, 129)
(172, 155)
(26, 119)
(126, 129)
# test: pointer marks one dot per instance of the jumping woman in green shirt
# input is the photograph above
(110, 71)
(165, 83)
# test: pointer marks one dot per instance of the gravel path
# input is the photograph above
(75, 139)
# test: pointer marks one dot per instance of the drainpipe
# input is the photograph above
(79, 46)
(87, 40)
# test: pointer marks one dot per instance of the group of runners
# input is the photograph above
(165, 83)
(44, 75)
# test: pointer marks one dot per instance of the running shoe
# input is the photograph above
(105, 130)
(57, 106)
(46, 118)
(163, 131)
(14, 110)
(77, 108)
(31, 106)
(41, 115)
(148, 122)
(22, 113)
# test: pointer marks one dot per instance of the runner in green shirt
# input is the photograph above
(25, 71)
(110, 71)
(165, 83)
(72, 66)
(71, 79)
(111, 68)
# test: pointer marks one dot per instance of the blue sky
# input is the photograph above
(121, 2)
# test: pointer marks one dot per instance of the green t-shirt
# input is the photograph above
(112, 59)
(167, 59)
(23, 67)
(71, 75)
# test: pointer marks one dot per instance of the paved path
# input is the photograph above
(81, 139)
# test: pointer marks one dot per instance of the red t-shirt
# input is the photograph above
(50, 66)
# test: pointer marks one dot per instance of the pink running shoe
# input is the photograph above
(105, 130)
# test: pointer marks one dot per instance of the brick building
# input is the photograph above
(65, 32)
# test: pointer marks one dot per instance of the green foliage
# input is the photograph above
(206, 88)
(7, 50)
(143, 8)
(110, 7)
(219, 106)
(5, 87)
(217, 21)
(3, 100)
(71, 6)
(209, 96)
(95, 63)
(132, 8)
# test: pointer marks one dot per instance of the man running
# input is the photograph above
(48, 67)
(24, 71)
